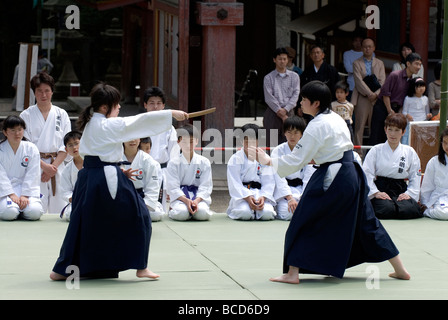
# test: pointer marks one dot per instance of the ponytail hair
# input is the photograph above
(101, 95)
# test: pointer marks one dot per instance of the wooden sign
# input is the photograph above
(424, 138)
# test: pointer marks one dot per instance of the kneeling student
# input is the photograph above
(19, 173)
(189, 180)
(251, 185)
(70, 173)
(288, 190)
(146, 177)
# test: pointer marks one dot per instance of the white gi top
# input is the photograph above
(282, 189)
(19, 172)
(325, 139)
(103, 137)
(240, 169)
(164, 146)
(196, 173)
(435, 183)
(47, 135)
(402, 163)
(149, 177)
(68, 179)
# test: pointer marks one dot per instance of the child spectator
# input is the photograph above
(19, 173)
(251, 185)
(415, 106)
(70, 173)
(434, 189)
(341, 106)
(146, 177)
(189, 180)
(289, 190)
(386, 167)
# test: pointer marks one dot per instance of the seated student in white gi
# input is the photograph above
(70, 173)
(158, 212)
(289, 190)
(189, 180)
(146, 177)
(164, 145)
(251, 185)
(434, 189)
(386, 167)
(19, 173)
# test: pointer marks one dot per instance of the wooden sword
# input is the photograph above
(201, 113)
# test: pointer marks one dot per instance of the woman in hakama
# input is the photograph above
(334, 226)
(110, 226)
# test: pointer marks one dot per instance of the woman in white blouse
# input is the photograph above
(434, 189)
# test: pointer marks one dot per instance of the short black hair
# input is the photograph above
(342, 85)
(146, 140)
(317, 91)
(294, 122)
(250, 127)
(153, 92)
(279, 51)
(72, 135)
(187, 130)
(413, 56)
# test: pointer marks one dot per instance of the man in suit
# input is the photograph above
(363, 98)
(320, 70)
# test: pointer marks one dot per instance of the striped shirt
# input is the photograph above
(281, 90)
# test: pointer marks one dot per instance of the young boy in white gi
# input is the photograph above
(70, 173)
(147, 177)
(46, 126)
(189, 180)
(164, 145)
(251, 185)
(289, 190)
(19, 174)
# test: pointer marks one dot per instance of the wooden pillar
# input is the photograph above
(219, 19)
(419, 29)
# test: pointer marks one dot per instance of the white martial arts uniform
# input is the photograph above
(401, 163)
(328, 135)
(149, 181)
(104, 137)
(163, 147)
(282, 189)
(20, 174)
(48, 136)
(68, 179)
(197, 174)
(434, 189)
(241, 170)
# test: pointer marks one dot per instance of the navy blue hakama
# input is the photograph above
(336, 229)
(105, 235)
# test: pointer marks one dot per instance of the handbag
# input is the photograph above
(372, 82)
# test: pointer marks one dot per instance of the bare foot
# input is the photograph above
(286, 278)
(56, 276)
(400, 270)
(404, 275)
(146, 273)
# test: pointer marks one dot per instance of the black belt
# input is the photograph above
(95, 162)
(295, 182)
(252, 185)
(163, 165)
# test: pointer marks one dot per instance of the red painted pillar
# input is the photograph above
(219, 19)
(419, 29)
